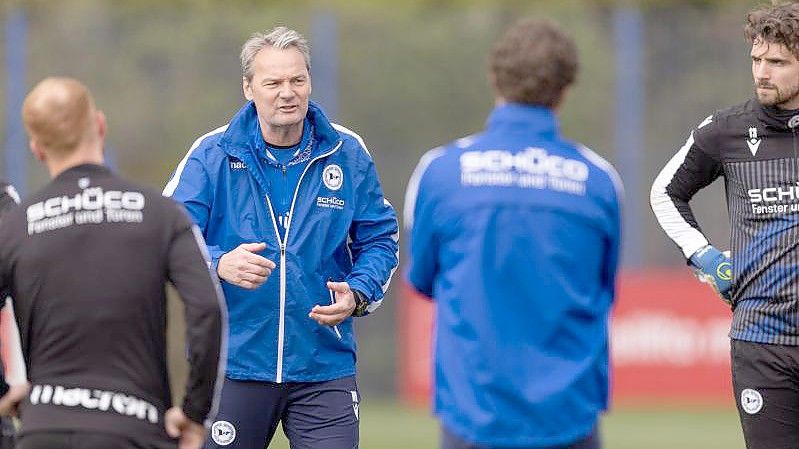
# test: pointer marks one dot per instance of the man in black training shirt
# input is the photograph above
(754, 146)
(86, 260)
(8, 198)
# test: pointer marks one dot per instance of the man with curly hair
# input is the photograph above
(514, 233)
(754, 146)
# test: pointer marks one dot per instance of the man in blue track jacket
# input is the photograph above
(514, 232)
(296, 224)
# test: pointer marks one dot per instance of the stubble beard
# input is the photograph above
(777, 97)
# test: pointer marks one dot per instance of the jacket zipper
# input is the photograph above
(283, 169)
(333, 301)
(283, 243)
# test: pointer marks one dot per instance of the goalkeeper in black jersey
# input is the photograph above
(754, 146)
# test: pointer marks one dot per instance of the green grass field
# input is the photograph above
(387, 426)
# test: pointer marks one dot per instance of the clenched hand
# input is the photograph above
(244, 268)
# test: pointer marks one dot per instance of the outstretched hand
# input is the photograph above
(340, 310)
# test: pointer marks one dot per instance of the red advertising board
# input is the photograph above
(669, 342)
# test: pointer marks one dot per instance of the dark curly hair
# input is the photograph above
(778, 24)
(533, 63)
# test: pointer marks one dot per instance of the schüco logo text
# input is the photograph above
(93, 198)
(773, 194)
(531, 161)
(330, 202)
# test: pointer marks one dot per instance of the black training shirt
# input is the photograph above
(86, 260)
(756, 150)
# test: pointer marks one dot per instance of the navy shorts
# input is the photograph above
(451, 441)
(765, 379)
(315, 415)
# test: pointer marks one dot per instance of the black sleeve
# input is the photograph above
(696, 172)
(688, 171)
(8, 197)
(205, 315)
(5, 274)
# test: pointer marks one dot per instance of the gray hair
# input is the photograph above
(278, 37)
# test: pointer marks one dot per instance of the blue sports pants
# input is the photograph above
(315, 415)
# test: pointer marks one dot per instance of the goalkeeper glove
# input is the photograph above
(713, 267)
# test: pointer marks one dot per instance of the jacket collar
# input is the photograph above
(531, 118)
(781, 119)
(243, 135)
(243, 139)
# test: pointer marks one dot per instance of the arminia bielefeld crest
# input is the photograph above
(333, 177)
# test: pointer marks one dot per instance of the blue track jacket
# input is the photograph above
(340, 228)
(514, 232)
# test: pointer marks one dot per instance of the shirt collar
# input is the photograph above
(531, 118)
(82, 170)
(782, 119)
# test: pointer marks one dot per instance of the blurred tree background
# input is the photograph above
(411, 76)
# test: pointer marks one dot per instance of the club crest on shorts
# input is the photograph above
(751, 401)
(223, 433)
(333, 177)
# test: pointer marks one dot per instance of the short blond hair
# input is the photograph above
(57, 114)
